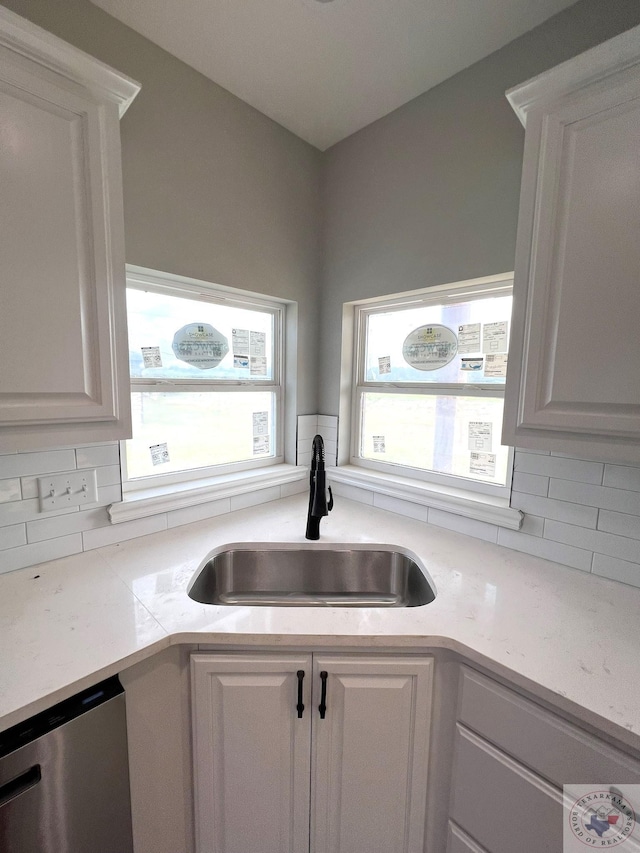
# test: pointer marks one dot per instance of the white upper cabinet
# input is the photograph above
(574, 373)
(63, 340)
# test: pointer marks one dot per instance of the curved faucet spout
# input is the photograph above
(319, 506)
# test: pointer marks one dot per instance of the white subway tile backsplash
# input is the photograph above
(121, 532)
(619, 523)
(577, 558)
(41, 462)
(577, 512)
(307, 426)
(563, 468)
(353, 493)
(616, 570)
(595, 540)
(530, 484)
(584, 516)
(40, 552)
(304, 458)
(10, 490)
(18, 512)
(295, 488)
(178, 517)
(62, 525)
(618, 500)
(469, 526)
(400, 507)
(328, 421)
(107, 495)
(261, 496)
(29, 487)
(533, 525)
(622, 477)
(305, 445)
(108, 475)
(12, 537)
(95, 456)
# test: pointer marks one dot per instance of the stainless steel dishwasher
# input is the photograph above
(64, 777)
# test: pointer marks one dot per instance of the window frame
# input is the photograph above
(437, 295)
(201, 291)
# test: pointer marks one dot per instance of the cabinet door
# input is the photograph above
(63, 364)
(573, 365)
(251, 753)
(369, 754)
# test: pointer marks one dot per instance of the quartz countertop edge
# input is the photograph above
(567, 636)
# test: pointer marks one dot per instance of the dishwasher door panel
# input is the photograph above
(80, 802)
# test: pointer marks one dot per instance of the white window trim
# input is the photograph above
(163, 493)
(165, 498)
(491, 505)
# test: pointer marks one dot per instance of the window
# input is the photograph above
(206, 381)
(429, 385)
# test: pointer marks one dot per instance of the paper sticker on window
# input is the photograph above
(430, 347)
(260, 444)
(159, 454)
(151, 356)
(258, 344)
(240, 341)
(495, 337)
(469, 337)
(378, 444)
(200, 345)
(241, 362)
(495, 365)
(480, 435)
(260, 423)
(258, 365)
(483, 464)
(471, 363)
(384, 364)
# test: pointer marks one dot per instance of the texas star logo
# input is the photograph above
(602, 819)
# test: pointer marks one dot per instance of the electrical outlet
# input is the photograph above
(74, 488)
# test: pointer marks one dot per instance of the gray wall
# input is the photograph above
(429, 194)
(213, 189)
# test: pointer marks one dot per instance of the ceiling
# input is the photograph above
(326, 68)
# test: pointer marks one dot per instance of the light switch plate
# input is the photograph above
(73, 488)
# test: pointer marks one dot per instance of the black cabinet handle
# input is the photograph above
(322, 707)
(300, 706)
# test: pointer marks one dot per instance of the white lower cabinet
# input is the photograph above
(273, 778)
(510, 760)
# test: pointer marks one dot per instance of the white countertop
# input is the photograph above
(570, 636)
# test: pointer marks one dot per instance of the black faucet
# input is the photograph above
(318, 505)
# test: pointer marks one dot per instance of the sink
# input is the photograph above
(312, 575)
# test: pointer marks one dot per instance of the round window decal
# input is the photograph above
(200, 345)
(430, 347)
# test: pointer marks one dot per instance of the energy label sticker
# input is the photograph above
(151, 356)
(159, 454)
(483, 463)
(378, 444)
(480, 435)
(384, 364)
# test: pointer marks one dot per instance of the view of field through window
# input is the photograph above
(196, 368)
(445, 419)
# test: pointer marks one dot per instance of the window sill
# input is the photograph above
(457, 501)
(160, 499)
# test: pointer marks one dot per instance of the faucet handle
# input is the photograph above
(330, 504)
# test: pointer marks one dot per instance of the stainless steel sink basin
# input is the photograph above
(318, 574)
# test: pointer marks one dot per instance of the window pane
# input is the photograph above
(199, 430)
(387, 331)
(159, 323)
(450, 435)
